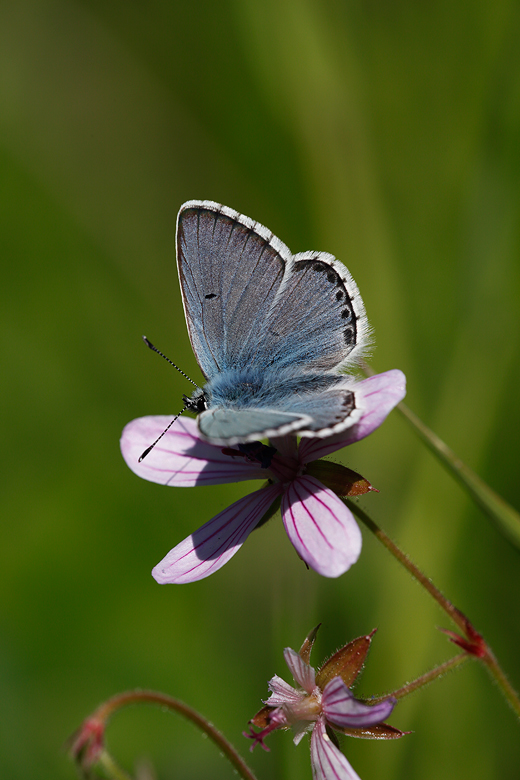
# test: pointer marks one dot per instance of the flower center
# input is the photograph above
(307, 708)
(283, 468)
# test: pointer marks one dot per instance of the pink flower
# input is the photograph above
(319, 525)
(323, 702)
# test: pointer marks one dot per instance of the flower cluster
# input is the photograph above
(322, 703)
(319, 525)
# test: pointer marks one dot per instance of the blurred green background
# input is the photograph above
(385, 133)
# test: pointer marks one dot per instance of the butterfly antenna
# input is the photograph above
(158, 439)
(154, 349)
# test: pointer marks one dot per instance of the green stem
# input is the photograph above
(503, 514)
(108, 708)
(473, 643)
(497, 673)
(112, 769)
(425, 679)
(493, 505)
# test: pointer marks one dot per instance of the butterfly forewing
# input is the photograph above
(230, 274)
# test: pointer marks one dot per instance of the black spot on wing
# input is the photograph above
(349, 401)
(341, 296)
(348, 404)
(350, 335)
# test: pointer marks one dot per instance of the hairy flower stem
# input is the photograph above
(473, 643)
(425, 679)
(108, 708)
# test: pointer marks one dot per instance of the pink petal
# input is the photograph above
(303, 674)
(209, 548)
(377, 396)
(342, 709)
(282, 693)
(320, 526)
(328, 763)
(181, 458)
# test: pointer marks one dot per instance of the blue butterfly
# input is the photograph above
(272, 332)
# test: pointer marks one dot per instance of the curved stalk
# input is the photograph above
(87, 744)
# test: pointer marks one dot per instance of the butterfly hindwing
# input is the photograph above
(306, 410)
(329, 411)
(229, 426)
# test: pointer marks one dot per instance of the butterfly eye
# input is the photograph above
(197, 403)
